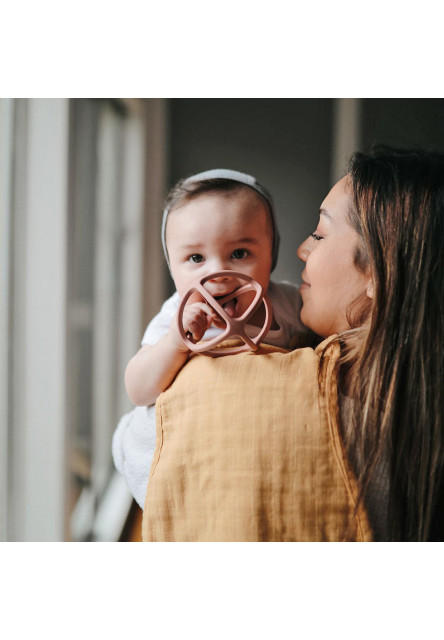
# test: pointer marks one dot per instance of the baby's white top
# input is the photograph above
(285, 300)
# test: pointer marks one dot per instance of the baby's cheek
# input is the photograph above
(243, 302)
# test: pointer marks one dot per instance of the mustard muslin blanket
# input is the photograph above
(248, 449)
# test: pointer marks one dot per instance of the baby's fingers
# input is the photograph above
(196, 319)
(202, 307)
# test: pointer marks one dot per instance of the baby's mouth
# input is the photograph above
(229, 306)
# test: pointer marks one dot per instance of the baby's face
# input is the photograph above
(219, 232)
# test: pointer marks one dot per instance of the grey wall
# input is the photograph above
(287, 145)
(284, 143)
(403, 122)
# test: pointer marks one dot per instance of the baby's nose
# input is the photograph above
(225, 277)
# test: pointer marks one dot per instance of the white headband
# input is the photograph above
(236, 176)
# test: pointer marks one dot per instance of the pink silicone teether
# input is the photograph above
(235, 326)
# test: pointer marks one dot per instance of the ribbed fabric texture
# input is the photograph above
(248, 450)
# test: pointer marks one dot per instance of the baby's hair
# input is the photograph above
(185, 191)
(220, 182)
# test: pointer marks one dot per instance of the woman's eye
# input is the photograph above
(196, 258)
(239, 254)
(315, 236)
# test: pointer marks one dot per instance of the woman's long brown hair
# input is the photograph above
(396, 377)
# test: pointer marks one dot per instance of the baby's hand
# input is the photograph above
(196, 319)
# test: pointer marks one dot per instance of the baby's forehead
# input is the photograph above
(249, 203)
(228, 185)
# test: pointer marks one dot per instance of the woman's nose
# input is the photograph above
(304, 250)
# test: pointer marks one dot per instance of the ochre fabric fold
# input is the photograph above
(248, 450)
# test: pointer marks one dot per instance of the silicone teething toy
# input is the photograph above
(235, 326)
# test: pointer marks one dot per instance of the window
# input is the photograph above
(74, 208)
(99, 226)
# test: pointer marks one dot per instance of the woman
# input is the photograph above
(387, 215)
(373, 285)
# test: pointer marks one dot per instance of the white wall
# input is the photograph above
(36, 334)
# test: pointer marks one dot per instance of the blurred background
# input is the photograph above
(82, 182)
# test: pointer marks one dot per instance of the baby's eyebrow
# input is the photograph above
(189, 247)
(245, 241)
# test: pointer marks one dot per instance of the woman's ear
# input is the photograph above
(369, 291)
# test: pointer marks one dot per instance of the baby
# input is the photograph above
(216, 220)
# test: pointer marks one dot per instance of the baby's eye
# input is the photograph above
(196, 258)
(239, 254)
(315, 236)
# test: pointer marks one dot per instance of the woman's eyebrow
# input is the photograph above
(323, 212)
